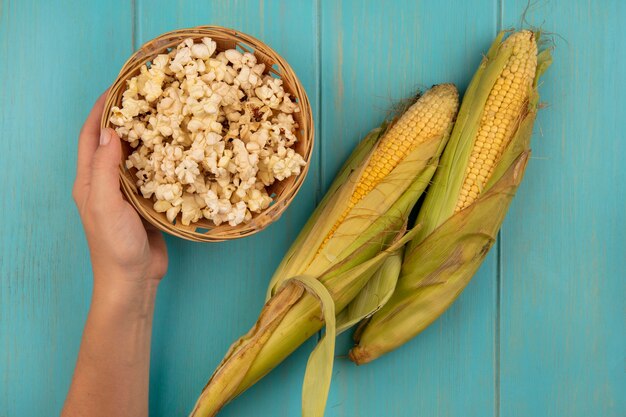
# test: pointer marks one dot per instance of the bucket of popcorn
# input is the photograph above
(217, 133)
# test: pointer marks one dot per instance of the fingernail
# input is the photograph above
(105, 137)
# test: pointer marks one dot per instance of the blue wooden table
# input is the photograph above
(541, 329)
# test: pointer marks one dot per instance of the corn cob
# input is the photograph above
(414, 127)
(423, 145)
(505, 108)
(372, 229)
(481, 168)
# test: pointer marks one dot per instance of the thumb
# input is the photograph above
(105, 183)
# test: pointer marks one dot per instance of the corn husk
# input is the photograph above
(375, 294)
(450, 246)
(296, 307)
(436, 271)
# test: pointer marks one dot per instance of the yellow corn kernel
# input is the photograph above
(504, 109)
(427, 118)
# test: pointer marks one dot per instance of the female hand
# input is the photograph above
(124, 249)
(129, 259)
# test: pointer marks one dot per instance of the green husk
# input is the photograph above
(450, 246)
(343, 267)
(374, 294)
(319, 369)
(447, 182)
(356, 158)
(288, 319)
(415, 170)
(438, 270)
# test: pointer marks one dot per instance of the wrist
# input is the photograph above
(129, 294)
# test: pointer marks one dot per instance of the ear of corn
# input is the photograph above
(348, 220)
(494, 105)
(437, 271)
(419, 124)
(359, 154)
(480, 171)
(341, 255)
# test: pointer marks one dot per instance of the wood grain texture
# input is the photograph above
(374, 55)
(213, 293)
(540, 331)
(55, 60)
(563, 340)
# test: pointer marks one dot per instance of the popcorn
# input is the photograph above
(187, 171)
(248, 59)
(258, 201)
(211, 132)
(201, 51)
(181, 58)
(172, 213)
(191, 211)
(148, 188)
(237, 214)
(210, 44)
(162, 206)
(285, 165)
(234, 56)
(287, 105)
(168, 192)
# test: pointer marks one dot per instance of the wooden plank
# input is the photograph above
(56, 58)
(563, 339)
(214, 292)
(562, 299)
(374, 54)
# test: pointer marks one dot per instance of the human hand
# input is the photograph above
(124, 250)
